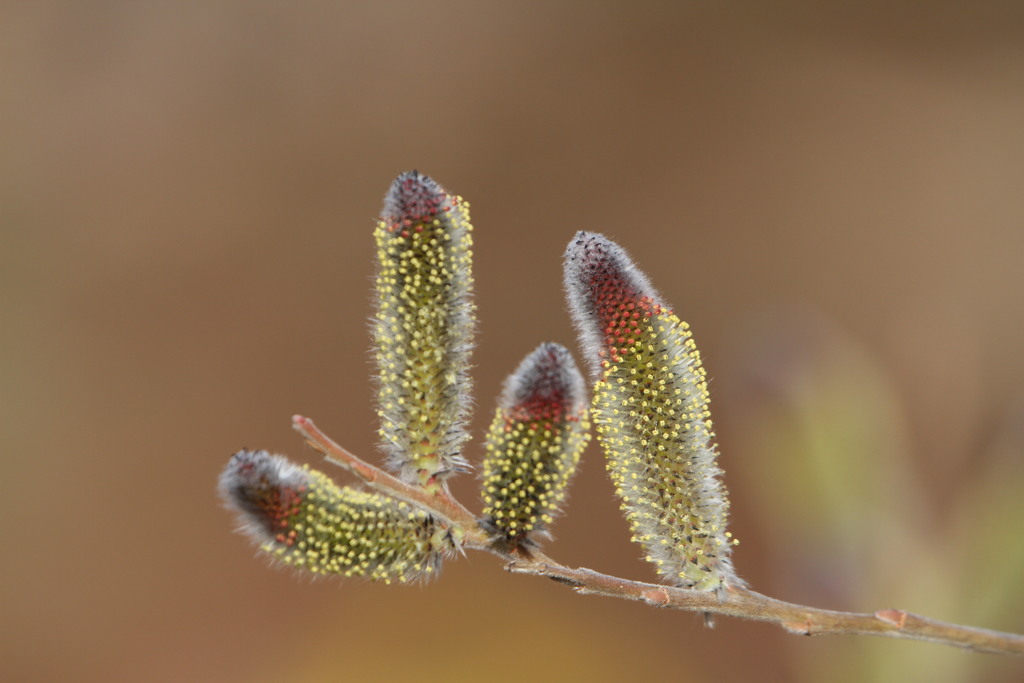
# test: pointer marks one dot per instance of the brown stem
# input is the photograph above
(747, 604)
(735, 601)
(440, 503)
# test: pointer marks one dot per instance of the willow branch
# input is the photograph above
(800, 619)
(733, 601)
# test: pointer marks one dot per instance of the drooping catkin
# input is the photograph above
(651, 415)
(302, 519)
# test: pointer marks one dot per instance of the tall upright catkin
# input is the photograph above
(423, 329)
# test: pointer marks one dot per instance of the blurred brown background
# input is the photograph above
(831, 196)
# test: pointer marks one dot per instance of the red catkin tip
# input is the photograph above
(608, 296)
(267, 489)
(544, 386)
(414, 199)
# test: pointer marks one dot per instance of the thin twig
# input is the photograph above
(440, 503)
(734, 601)
(748, 604)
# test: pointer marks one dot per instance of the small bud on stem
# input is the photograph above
(533, 446)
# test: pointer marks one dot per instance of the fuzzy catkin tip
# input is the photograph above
(600, 278)
(302, 519)
(651, 415)
(423, 328)
(533, 446)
